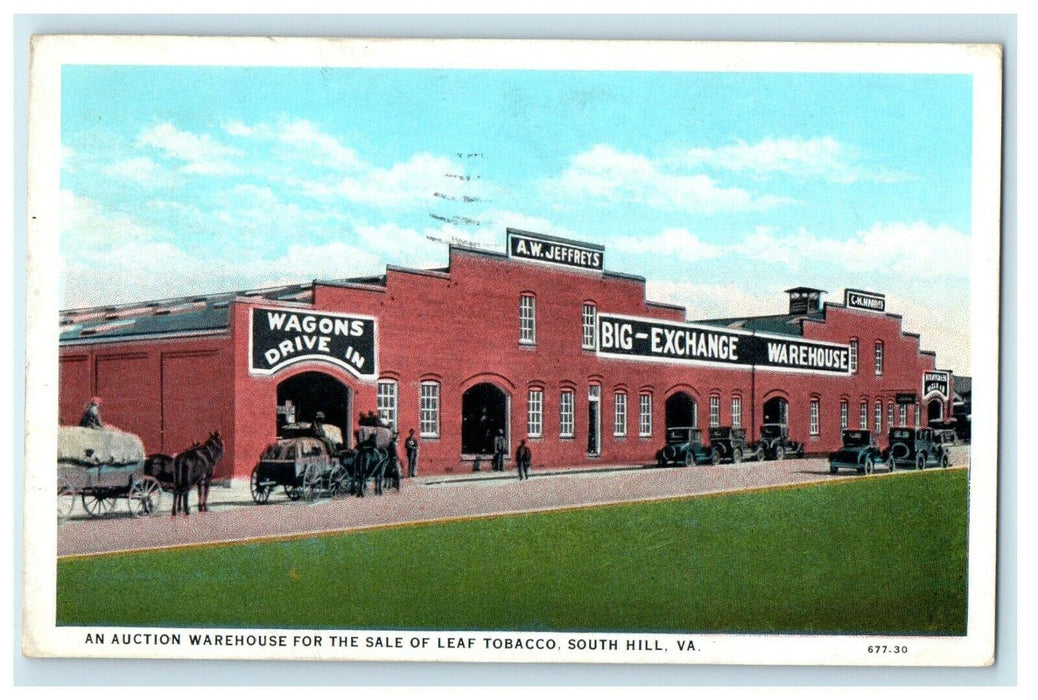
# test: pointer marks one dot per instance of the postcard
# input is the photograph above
(512, 351)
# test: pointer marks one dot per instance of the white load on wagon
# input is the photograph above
(92, 447)
(382, 436)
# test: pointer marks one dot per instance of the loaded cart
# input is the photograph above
(302, 465)
(101, 466)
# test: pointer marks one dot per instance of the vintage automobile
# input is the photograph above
(730, 445)
(774, 440)
(859, 452)
(685, 447)
(915, 447)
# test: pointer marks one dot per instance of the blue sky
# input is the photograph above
(722, 189)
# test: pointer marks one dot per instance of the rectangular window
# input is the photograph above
(863, 416)
(854, 358)
(620, 417)
(877, 419)
(566, 413)
(736, 411)
(879, 358)
(429, 410)
(645, 415)
(890, 416)
(527, 319)
(814, 416)
(844, 410)
(588, 320)
(386, 402)
(902, 416)
(917, 415)
(715, 411)
(535, 413)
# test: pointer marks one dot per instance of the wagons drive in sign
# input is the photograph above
(282, 337)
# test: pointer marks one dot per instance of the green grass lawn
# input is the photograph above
(869, 555)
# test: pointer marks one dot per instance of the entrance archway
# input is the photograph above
(681, 411)
(484, 411)
(301, 396)
(934, 411)
(776, 410)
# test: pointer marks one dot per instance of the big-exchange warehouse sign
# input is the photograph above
(630, 337)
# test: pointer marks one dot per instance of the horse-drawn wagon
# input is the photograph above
(306, 466)
(101, 466)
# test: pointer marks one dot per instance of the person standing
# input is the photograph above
(411, 447)
(500, 447)
(523, 458)
(92, 415)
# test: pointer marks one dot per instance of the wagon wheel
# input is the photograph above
(715, 457)
(260, 491)
(920, 461)
(736, 455)
(338, 482)
(145, 497)
(690, 459)
(780, 452)
(311, 482)
(97, 505)
(869, 466)
(891, 463)
(66, 499)
(759, 454)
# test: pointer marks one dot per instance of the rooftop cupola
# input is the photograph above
(804, 300)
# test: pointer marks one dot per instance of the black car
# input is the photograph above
(685, 447)
(774, 440)
(730, 445)
(915, 447)
(859, 452)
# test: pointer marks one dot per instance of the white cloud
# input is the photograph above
(202, 155)
(703, 301)
(88, 224)
(916, 250)
(822, 157)
(142, 170)
(676, 242)
(305, 141)
(605, 173)
(413, 181)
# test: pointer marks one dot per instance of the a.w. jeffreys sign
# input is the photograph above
(283, 337)
(868, 301)
(937, 383)
(554, 251)
(668, 341)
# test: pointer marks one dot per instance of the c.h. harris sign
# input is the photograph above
(550, 250)
(282, 337)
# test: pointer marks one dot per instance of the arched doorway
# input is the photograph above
(681, 410)
(776, 410)
(934, 411)
(484, 411)
(301, 396)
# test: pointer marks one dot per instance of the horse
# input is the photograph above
(194, 467)
(368, 462)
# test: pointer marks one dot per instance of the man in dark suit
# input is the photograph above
(523, 457)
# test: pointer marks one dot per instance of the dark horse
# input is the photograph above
(194, 467)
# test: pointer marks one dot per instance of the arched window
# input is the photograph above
(588, 324)
(527, 319)
(386, 401)
(429, 410)
(620, 414)
(815, 408)
(879, 358)
(535, 412)
(854, 356)
(844, 414)
(644, 414)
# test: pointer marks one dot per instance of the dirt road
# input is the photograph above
(233, 517)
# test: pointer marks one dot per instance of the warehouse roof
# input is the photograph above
(781, 324)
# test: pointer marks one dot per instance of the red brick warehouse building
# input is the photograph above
(541, 342)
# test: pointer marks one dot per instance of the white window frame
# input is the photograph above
(715, 411)
(589, 327)
(845, 415)
(863, 416)
(853, 362)
(890, 416)
(644, 414)
(879, 358)
(902, 416)
(620, 414)
(387, 394)
(535, 412)
(567, 403)
(815, 408)
(877, 418)
(918, 414)
(736, 411)
(429, 410)
(527, 319)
